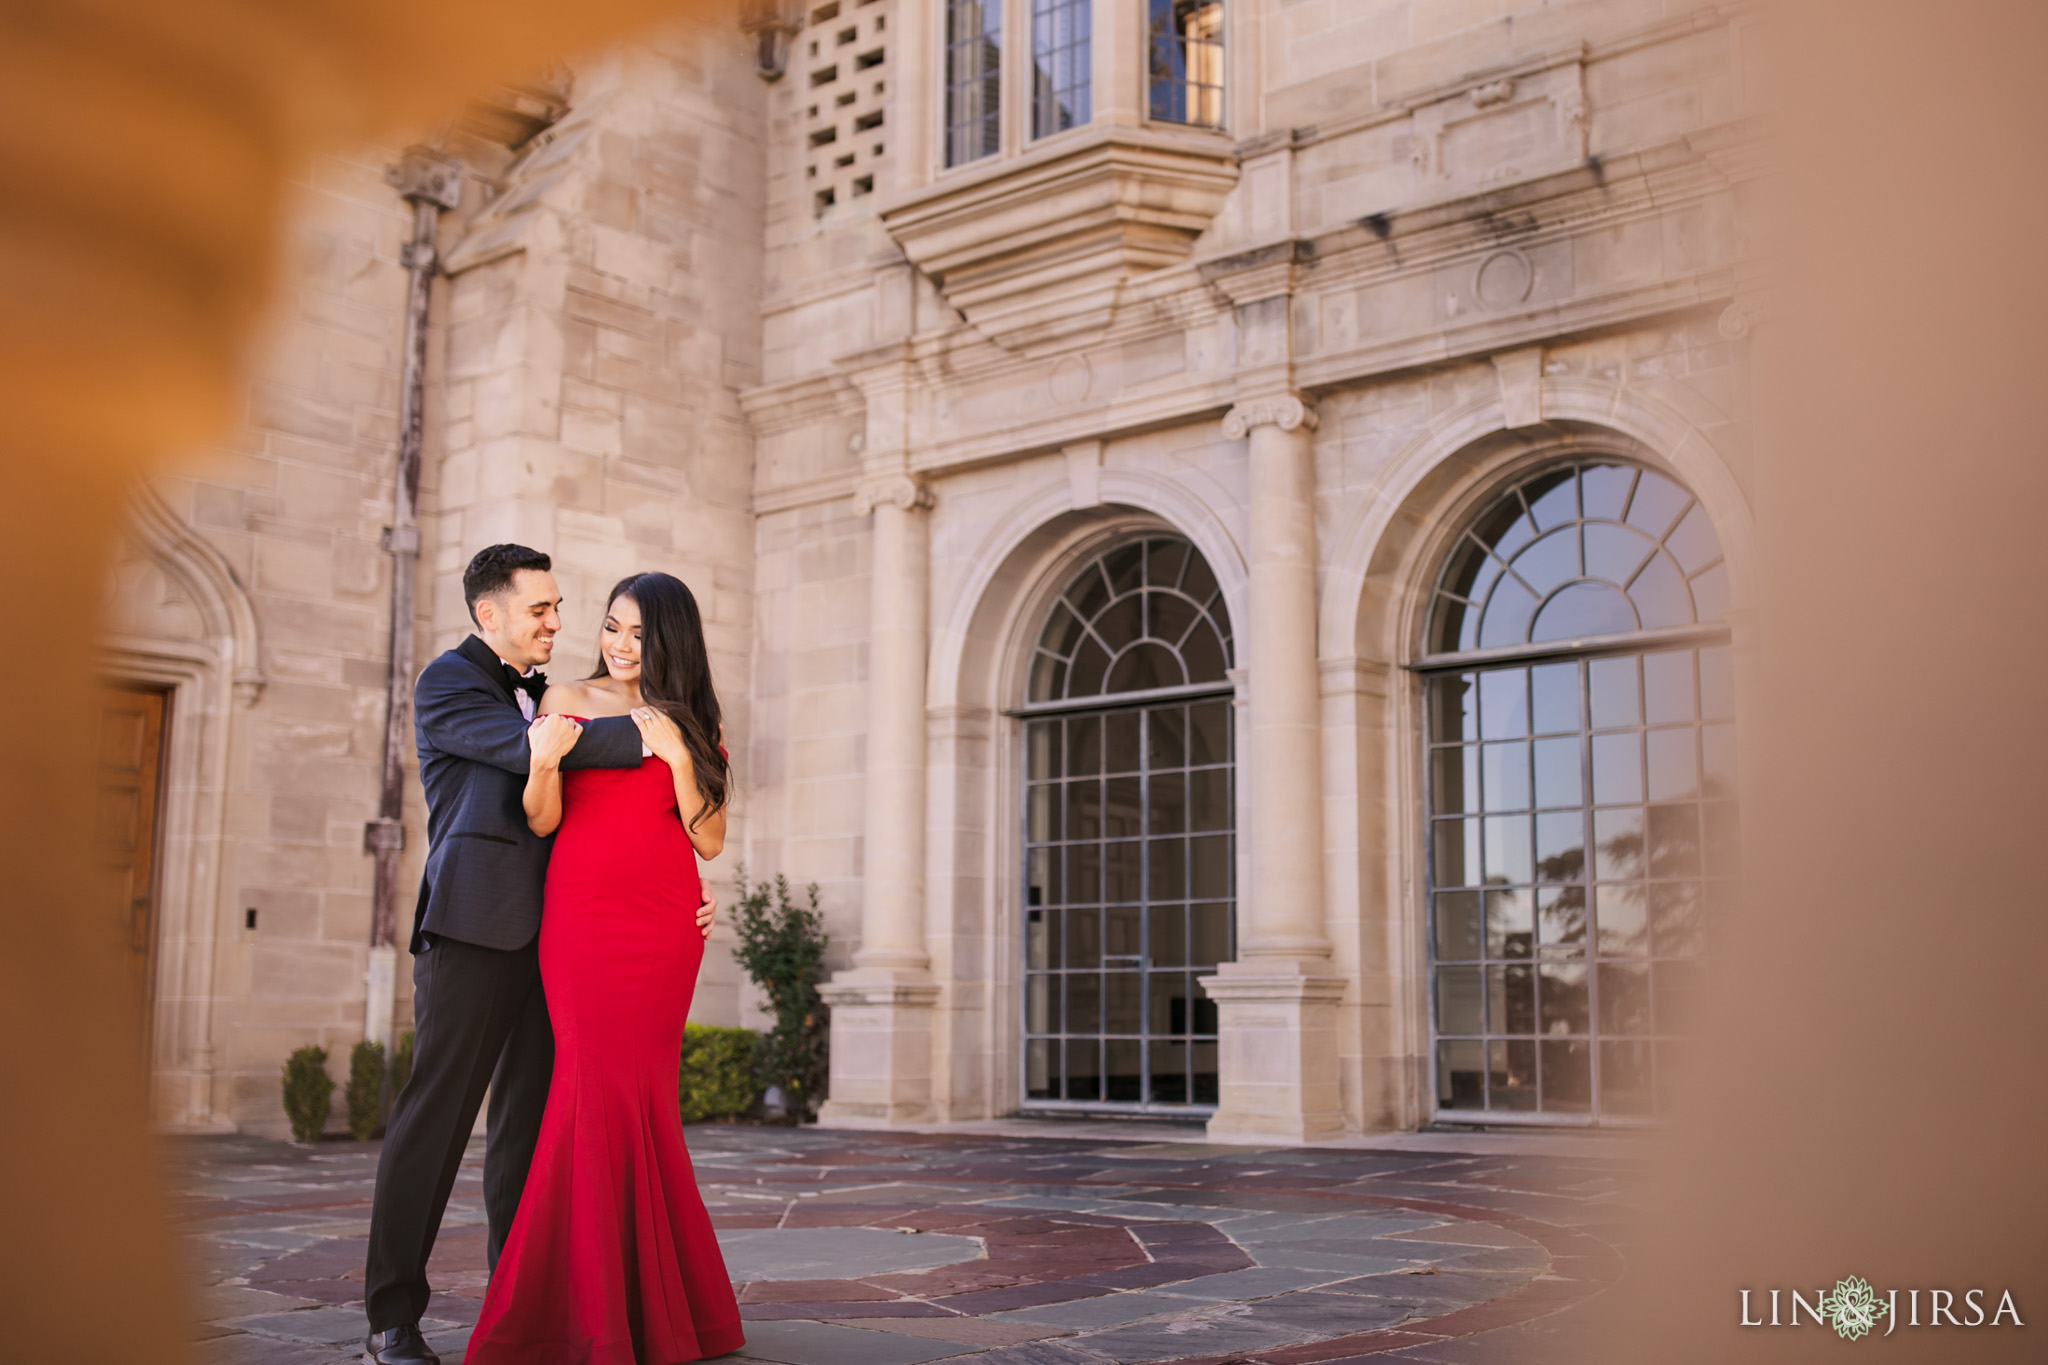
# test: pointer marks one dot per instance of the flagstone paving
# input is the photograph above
(896, 1249)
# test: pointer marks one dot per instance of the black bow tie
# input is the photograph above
(534, 683)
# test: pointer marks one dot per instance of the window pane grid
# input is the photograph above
(974, 40)
(1060, 66)
(1110, 961)
(1185, 44)
(1561, 981)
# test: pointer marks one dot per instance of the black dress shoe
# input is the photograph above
(399, 1346)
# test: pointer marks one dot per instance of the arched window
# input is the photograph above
(1579, 784)
(1128, 859)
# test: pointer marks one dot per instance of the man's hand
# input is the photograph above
(708, 911)
(550, 737)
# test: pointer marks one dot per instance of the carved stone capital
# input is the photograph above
(1740, 318)
(897, 490)
(1287, 411)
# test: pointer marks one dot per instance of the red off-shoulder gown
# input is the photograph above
(611, 1259)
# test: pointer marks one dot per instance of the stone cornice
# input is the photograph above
(794, 403)
(1332, 270)
(1262, 272)
(1404, 104)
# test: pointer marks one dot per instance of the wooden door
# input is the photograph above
(130, 798)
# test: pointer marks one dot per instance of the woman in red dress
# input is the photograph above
(611, 1259)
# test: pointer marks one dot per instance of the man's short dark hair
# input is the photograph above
(490, 571)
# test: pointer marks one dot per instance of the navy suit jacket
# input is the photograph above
(485, 868)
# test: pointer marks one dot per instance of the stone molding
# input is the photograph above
(1520, 373)
(1259, 273)
(220, 597)
(841, 993)
(1287, 411)
(900, 491)
(1240, 983)
(500, 229)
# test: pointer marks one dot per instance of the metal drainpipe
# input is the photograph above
(430, 182)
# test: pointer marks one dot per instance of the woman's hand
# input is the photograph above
(662, 735)
(551, 737)
(707, 912)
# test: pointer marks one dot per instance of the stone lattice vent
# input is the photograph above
(841, 64)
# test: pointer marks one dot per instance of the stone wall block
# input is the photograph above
(301, 972)
(478, 345)
(218, 507)
(601, 398)
(315, 495)
(298, 816)
(295, 566)
(592, 434)
(282, 913)
(291, 410)
(582, 304)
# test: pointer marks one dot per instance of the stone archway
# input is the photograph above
(981, 636)
(1382, 555)
(178, 619)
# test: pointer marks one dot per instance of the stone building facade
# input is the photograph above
(1112, 441)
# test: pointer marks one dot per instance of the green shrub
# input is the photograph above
(782, 947)
(401, 1063)
(307, 1091)
(364, 1097)
(718, 1078)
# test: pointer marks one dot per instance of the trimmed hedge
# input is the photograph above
(308, 1090)
(364, 1097)
(718, 1080)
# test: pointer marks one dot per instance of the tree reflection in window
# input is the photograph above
(1581, 796)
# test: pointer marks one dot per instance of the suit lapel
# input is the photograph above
(480, 654)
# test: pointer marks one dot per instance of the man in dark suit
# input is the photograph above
(479, 1017)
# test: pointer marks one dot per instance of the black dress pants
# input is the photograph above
(480, 1022)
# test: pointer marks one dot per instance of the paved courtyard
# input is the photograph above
(1075, 1248)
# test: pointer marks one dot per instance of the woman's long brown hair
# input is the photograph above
(675, 675)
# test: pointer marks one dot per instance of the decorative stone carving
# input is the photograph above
(1574, 117)
(1504, 279)
(1034, 250)
(1739, 318)
(771, 24)
(1069, 380)
(900, 491)
(1530, 122)
(1287, 411)
(1492, 93)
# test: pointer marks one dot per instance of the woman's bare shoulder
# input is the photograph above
(590, 698)
(565, 698)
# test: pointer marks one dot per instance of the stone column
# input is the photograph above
(1277, 1004)
(882, 1006)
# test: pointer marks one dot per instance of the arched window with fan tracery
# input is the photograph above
(1128, 884)
(1579, 787)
